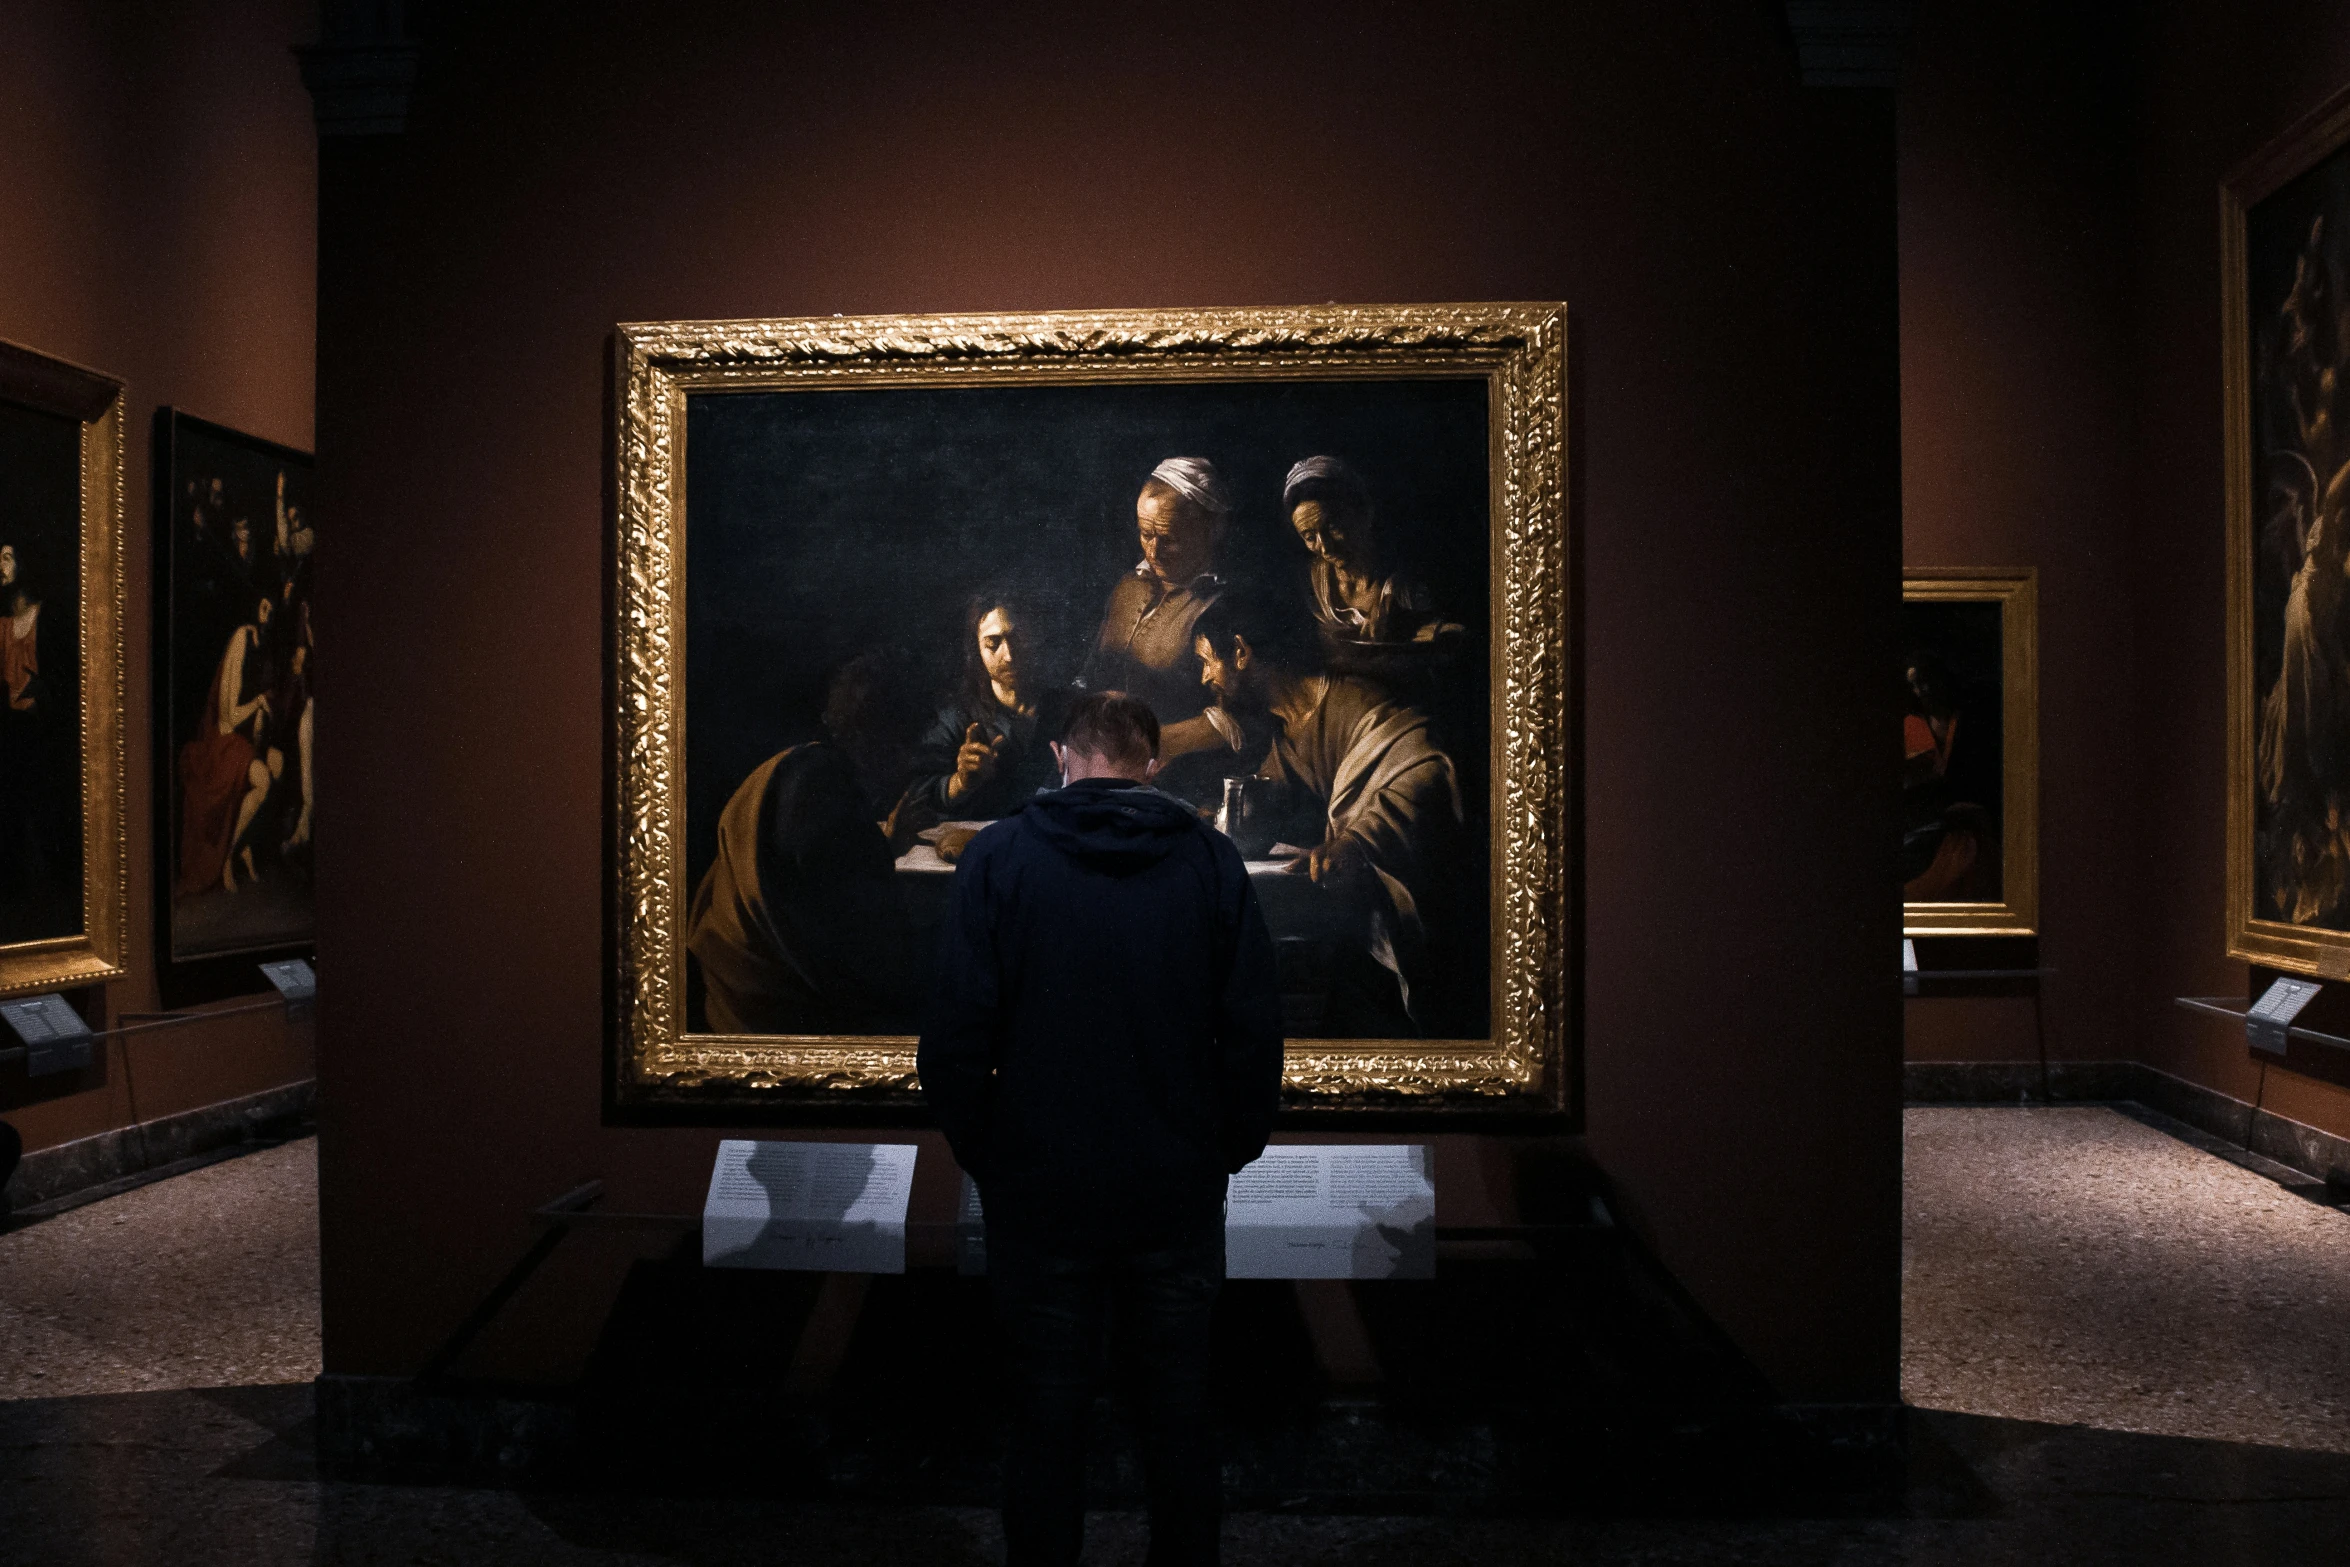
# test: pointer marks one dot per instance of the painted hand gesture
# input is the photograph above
(975, 762)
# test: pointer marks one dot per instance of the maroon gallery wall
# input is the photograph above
(158, 184)
(1725, 238)
(2015, 451)
(2060, 368)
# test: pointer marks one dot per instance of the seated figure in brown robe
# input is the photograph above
(1360, 780)
(798, 925)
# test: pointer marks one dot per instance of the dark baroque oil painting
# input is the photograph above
(890, 594)
(41, 840)
(1953, 752)
(236, 810)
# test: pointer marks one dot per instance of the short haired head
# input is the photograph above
(875, 700)
(1112, 727)
(1275, 624)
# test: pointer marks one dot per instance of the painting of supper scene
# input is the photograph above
(891, 596)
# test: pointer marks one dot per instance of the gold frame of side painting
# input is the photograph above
(1516, 351)
(2015, 589)
(53, 386)
(2321, 140)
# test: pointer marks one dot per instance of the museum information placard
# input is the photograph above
(827, 1207)
(1332, 1212)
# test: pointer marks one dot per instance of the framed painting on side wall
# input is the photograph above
(1970, 783)
(2285, 271)
(862, 564)
(235, 819)
(62, 888)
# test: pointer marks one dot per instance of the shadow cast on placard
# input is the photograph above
(1397, 1241)
(819, 1198)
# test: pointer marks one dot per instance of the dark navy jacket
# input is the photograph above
(1104, 1045)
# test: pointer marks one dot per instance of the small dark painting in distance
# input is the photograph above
(236, 646)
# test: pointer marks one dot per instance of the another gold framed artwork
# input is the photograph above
(1970, 752)
(859, 563)
(2285, 276)
(63, 895)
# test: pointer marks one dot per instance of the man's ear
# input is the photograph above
(1060, 756)
(1240, 653)
(1150, 769)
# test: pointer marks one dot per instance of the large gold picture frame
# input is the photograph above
(2284, 260)
(1517, 352)
(54, 387)
(2013, 593)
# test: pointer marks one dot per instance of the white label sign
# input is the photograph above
(970, 1233)
(2266, 1024)
(1332, 1212)
(295, 979)
(825, 1207)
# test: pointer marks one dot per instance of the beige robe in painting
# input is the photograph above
(1381, 779)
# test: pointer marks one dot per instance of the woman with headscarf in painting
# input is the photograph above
(1374, 618)
(985, 753)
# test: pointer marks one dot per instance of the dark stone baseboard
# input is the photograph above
(52, 1174)
(1348, 1455)
(2307, 1150)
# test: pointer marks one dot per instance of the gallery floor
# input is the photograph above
(2121, 1349)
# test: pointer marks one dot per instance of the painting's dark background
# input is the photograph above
(206, 595)
(40, 772)
(1966, 638)
(821, 524)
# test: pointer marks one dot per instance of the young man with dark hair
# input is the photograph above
(1104, 1049)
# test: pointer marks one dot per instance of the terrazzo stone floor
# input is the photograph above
(2126, 1351)
(2068, 1264)
(209, 1279)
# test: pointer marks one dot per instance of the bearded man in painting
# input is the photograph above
(1359, 776)
(798, 925)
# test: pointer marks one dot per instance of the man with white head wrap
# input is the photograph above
(1144, 647)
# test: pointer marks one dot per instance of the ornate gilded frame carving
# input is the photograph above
(2307, 949)
(1517, 350)
(95, 402)
(2015, 589)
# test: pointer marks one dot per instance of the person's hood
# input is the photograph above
(1111, 824)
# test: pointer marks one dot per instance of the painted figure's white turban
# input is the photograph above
(1194, 478)
(1331, 471)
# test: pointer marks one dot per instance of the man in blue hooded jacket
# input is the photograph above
(1104, 1048)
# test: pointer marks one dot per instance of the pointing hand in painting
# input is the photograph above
(975, 762)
